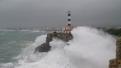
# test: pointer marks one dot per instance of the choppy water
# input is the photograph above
(12, 42)
(90, 48)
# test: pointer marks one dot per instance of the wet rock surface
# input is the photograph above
(45, 47)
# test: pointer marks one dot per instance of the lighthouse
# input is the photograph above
(68, 27)
(69, 17)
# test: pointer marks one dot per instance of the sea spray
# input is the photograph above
(28, 55)
(90, 48)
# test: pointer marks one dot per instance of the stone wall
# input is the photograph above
(116, 63)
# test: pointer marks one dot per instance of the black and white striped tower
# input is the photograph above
(69, 17)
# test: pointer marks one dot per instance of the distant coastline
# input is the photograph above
(116, 31)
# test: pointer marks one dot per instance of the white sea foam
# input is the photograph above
(90, 48)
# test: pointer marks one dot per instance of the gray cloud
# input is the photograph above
(52, 12)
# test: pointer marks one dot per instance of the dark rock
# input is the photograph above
(43, 48)
(49, 38)
(61, 35)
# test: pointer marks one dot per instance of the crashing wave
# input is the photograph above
(90, 48)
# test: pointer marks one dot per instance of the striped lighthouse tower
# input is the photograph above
(68, 27)
(69, 17)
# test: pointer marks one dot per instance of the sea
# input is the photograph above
(90, 48)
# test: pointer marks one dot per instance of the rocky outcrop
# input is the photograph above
(45, 47)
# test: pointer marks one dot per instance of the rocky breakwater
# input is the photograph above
(45, 47)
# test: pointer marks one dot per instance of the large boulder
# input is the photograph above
(43, 48)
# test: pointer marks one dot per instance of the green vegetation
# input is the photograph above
(114, 31)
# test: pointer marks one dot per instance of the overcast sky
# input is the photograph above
(52, 12)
